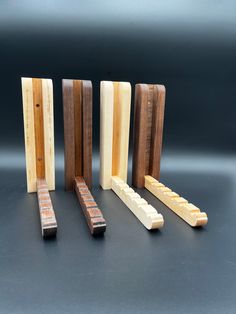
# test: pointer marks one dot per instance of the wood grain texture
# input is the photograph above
(87, 132)
(39, 128)
(157, 130)
(47, 215)
(148, 131)
(94, 217)
(69, 133)
(106, 133)
(124, 100)
(140, 135)
(116, 129)
(147, 214)
(78, 113)
(187, 211)
(29, 133)
(48, 123)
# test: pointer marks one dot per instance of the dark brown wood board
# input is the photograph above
(148, 132)
(87, 131)
(77, 103)
(69, 133)
(157, 131)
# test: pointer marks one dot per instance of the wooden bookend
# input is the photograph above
(77, 107)
(37, 97)
(115, 104)
(148, 130)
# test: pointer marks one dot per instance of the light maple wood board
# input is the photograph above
(106, 133)
(28, 113)
(187, 211)
(48, 123)
(147, 214)
(124, 102)
(37, 97)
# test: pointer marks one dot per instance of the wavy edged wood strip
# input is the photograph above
(147, 214)
(187, 211)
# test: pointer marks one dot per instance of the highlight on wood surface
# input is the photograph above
(115, 101)
(37, 95)
(148, 133)
(77, 108)
(187, 211)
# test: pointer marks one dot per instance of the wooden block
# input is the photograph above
(148, 216)
(106, 133)
(47, 215)
(48, 124)
(39, 131)
(38, 128)
(78, 126)
(148, 130)
(94, 217)
(140, 135)
(121, 123)
(124, 100)
(87, 132)
(29, 133)
(157, 130)
(188, 212)
(69, 133)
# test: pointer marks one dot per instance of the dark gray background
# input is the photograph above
(190, 47)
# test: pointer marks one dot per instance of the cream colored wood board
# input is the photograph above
(124, 101)
(47, 91)
(29, 133)
(106, 133)
(147, 214)
(187, 211)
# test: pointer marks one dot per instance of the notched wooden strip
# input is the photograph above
(93, 214)
(188, 212)
(47, 215)
(137, 205)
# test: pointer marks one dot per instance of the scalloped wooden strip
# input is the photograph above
(187, 211)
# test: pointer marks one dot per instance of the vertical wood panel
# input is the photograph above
(116, 130)
(124, 100)
(69, 131)
(148, 128)
(39, 128)
(48, 121)
(157, 130)
(106, 133)
(28, 113)
(77, 94)
(87, 132)
(140, 135)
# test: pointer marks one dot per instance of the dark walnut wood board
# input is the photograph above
(77, 108)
